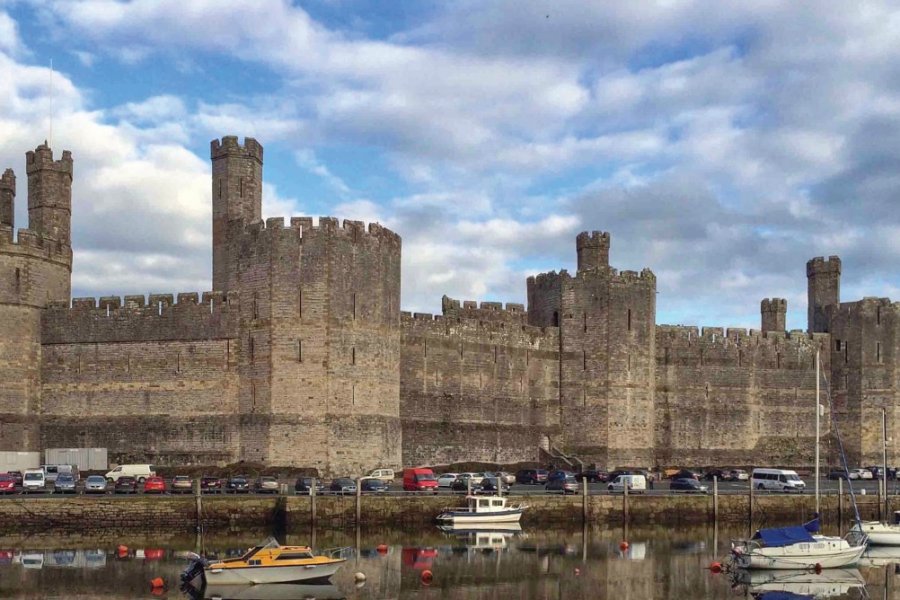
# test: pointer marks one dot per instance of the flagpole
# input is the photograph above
(817, 432)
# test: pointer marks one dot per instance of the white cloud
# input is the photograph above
(10, 41)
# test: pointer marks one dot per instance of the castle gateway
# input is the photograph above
(301, 355)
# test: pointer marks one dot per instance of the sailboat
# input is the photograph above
(801, 547)
(882, 534)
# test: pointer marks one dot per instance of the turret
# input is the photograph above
(824, 289)
(593, 250)
(774, 314)
(8, 198)
(50, 193)
(237, 198)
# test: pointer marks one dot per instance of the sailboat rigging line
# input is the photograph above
(840, 442)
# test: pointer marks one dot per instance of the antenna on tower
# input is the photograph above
(50, 136)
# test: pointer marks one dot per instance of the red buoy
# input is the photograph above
(381, 548)
(157, 582)
(818, 568)
(623, 545)
(121, 551)
(715, 567)
(426, 577)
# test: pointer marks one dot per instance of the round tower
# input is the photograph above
(593, 250)
(35, 270)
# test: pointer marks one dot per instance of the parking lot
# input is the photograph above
(868, 487)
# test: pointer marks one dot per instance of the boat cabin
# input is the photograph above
(486, 504)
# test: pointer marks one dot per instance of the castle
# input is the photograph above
(302, 356)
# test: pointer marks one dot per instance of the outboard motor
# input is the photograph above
(195, 568)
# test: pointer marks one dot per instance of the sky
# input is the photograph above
(721, 144)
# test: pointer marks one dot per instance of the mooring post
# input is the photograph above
(198, 500)
(715, 498)
(584, 501)
(312, 504)
(358, 499)
(750, 512)
(625, 502)
(840, 504)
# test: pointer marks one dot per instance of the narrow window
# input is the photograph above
(583, 360)
(846, 352)
(778, 360)
(177, 359)
(353, 395)
(18, 279)
(251, 345)
(353, 355)
(255, 305)
(629, 319)
(837, 345)
(584, 398)
(300, 302)
(220, 188)
(425, 348)
(555, 318)
(241, 190)
(740, 358)
(878, 352)
(495, 353)
(354, 305)
(666, 360)
(584, 320)
(877, 313)
(299, 350)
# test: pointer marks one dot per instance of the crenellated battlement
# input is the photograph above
(470, 309)
(41, 159)
(185, 300)
(229, 146)
(645, 277)
(594, 238)
(494, 330)
(819, 265)
(773, 305)
(734, 336)
(305, 227)
(32, 243)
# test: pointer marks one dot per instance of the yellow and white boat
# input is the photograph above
(267, 563)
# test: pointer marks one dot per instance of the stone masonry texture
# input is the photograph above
(301, 356)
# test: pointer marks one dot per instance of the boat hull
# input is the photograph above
(481, 519)
(880, 534)
(779, 558)
(271, 574)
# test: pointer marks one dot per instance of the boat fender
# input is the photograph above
(359, 576)
(623, 545)
(381, 548)
(818, 568)
(715, 567)
(577, 571)
(157, 582)
(426, 577)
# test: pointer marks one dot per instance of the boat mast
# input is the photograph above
(818, 410)
(883, 482)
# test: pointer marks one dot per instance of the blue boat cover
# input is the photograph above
(782, 596)
(784, 536)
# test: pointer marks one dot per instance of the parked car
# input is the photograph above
(566, 485)
(475, 477)
(17, 475)
(688, 485)
(594, 475)
(465, 483)
(266, 484)
(720, 474)
(342, 485)
(182, 484)
(239, 484)
(446, 479)
(33, 481)
(125, 484)
(739, 475)
(860, 474)
(96, 484)
(65, 484)
(372, 485)
(836, 474)
(559, 474)
(210, 485)
(685, 474)
(506, 478)
(7, 484)
(531, 476)
(304, 485)
(490, 485)
(155, 485)
(385, 475)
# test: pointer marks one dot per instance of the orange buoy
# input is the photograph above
(157, 582)
(623, 545)
(122, 551)
(426, 577)
(715, 567)
(381, 548)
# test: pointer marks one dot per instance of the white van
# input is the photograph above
(139, 472)
(637, 484)
(781, 480)
(33, 480)
(385, 475)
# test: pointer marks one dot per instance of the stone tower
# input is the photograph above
(824, 290)
(35, 269)
(607, 322)
(237, 200)
(774, 314)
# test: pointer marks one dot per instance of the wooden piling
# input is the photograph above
(625, 502)
(584, 501)
(358, 500)
(840, 504)
(750, 512)
(312, 504)
(715, 498)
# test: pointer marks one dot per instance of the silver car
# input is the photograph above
(65, 484)
(96, 484)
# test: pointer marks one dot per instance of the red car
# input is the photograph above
(7, 484)
(155, 485)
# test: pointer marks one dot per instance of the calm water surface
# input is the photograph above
(660, 563)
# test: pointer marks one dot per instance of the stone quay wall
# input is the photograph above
(97, 515)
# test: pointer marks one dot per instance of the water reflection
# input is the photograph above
(658, 563)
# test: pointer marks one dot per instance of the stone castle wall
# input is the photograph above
(477, 385)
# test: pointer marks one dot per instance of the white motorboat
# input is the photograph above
(881, 534)
(806, 584)
(797, 547)
(483, 510)
(264, 564)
